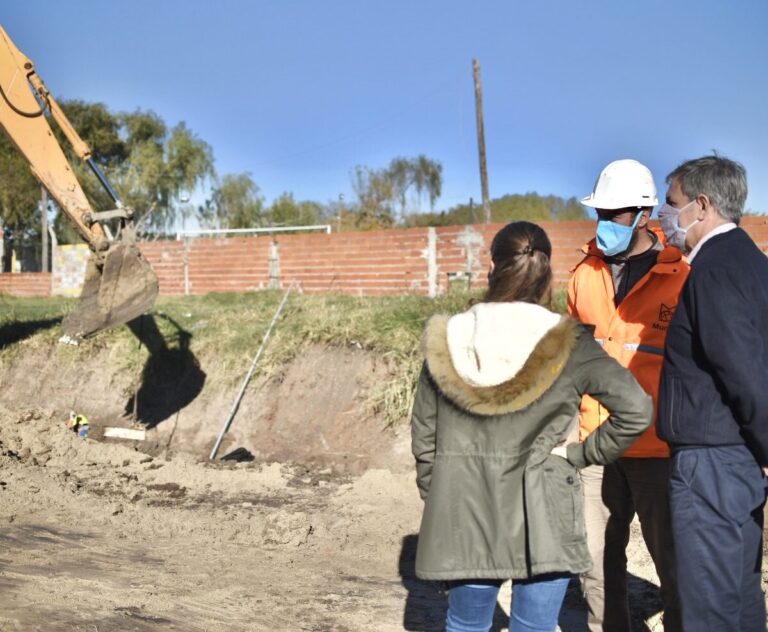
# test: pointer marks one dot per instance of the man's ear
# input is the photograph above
(645, 218)
(704, 203)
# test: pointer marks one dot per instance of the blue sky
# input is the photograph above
(298, 92)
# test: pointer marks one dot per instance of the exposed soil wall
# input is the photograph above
(317, 410)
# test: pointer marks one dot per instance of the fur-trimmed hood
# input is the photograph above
(497, 358)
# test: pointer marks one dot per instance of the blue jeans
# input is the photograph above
(535, 604)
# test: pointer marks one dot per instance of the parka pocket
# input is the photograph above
(564, 499)
(555, 518)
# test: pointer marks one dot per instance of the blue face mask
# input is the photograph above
(613, 238)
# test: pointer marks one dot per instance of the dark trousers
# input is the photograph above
(612, 497)
(717, 496)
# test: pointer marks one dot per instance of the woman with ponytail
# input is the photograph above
(495, 403)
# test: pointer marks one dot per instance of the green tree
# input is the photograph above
(236, 202)
(285, 211)
(149, 166)
(400, 173)
(207, 216)
(161, 169)
(375, 196)
(569, 209)
(380, 191)
(19, 202)
(98, 127)
(529, 206)
(428, 176)
(189, 162)
(19, 189)
(420, 175)
(101, 130)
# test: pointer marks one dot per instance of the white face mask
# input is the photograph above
(669, 217)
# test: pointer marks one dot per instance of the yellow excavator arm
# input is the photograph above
(120, 284)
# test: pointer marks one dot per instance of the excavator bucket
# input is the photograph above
(119, 286)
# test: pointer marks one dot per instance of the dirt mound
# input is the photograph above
(316, 411)
(103, 536)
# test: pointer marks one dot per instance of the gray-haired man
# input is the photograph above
(713, 401)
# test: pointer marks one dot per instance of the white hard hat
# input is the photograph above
(623, 184)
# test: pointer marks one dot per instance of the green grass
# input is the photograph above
(230, 327)
(226, 330)
(25, 309)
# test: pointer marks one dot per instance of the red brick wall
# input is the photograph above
(567, 239)
(167, 259)
(26, 283)
(362, 263)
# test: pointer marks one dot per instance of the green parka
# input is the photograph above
(498, 504)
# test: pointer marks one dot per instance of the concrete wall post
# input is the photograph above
(432, 286)
(185, 264)
(274, 265)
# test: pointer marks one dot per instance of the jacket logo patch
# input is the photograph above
(666, 313)
(665, 317)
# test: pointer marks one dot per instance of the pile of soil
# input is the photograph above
(317, 532)
(99, 536)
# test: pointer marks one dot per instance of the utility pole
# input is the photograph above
(481, 141)
(44, 226)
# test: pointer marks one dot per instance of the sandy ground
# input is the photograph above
(104, 535)
(97, 536)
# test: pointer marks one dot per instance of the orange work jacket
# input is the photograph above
(633, 333)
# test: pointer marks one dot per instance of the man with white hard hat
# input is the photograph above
(626, 287)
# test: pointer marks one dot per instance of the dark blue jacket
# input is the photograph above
(714, 384)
